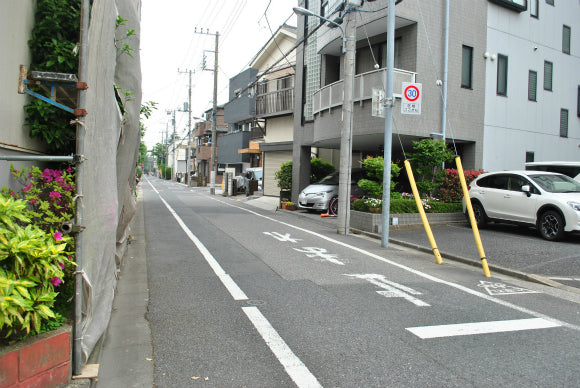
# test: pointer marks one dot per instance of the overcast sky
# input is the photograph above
(169, 44)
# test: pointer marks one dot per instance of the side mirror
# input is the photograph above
(526, 189)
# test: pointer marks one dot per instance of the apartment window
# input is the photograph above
(535, 8)
(467, 67)
(548, 70)
(529, 156)
(532, 85)
(563, 122)
(551, 2)
(502, 74)
(566, 34)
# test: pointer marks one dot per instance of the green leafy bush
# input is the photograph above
(48, 199)
(450, 189)
(31, 266)
(284, 176)
(427, 161)
(374, 167)
(319, 169)
(48, 193)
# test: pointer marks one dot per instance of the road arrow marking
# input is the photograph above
(283, 237)
(320, 252)
(391, 289)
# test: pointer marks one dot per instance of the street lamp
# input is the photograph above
(349, 50)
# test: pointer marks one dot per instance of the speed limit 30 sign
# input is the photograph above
(411, 100)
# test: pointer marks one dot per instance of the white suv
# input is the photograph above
(548, 201)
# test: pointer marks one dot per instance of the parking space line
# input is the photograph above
(473, 328)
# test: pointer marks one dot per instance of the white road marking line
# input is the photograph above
(427, 332)
(295, 368)
(570, 279)
(391, 289)
(234, 290)
(411, 270)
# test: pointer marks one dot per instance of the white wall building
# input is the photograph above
(536, 118)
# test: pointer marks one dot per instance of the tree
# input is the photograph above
(427, 161)
(374, 167)
(319, 169)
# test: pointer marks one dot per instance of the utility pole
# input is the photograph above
(344, 178)
(188, 128)
(173, 162)
(389, 104)
(214, 112)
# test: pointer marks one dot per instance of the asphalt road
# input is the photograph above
(507, 246)
(242, 297)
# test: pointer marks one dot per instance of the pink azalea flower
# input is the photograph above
(27, 188)
(58, 236)
(61, 265)
(56, 281)
(32, 201)
(69, 170)
(54, 194)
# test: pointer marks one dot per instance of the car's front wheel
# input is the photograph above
(333, 206)
(551, 225)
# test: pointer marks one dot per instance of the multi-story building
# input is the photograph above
(201, 150)
(532, 83)
(489, 120)
(261, 107)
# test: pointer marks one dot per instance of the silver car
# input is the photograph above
(320, 195)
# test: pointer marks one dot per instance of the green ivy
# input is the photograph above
(53, 41)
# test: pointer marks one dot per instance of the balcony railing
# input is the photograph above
(331, 96)
(275, 103)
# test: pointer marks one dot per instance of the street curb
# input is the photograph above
(494, 268)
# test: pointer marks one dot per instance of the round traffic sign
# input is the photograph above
(412, 93)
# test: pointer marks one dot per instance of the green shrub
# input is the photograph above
(284, 176)
(319, 169)
(444, 207)
(48, 199)
(426, 161)
(32, 263)
(167, 173)
(374, 167)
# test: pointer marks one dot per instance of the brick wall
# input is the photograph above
(41, 361)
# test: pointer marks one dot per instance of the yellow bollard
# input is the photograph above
(438, 258)
(472, 218)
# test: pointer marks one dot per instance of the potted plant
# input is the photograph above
(289, 205)
(284, 178)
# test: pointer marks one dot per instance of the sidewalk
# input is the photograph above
(125, 356)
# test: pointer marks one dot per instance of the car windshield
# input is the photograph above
(257, 174)
(331, 179)
(556, 183)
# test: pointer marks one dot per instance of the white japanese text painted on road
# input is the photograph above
(391, 289)
(503, 289)
(320, 252)
(282, 237)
